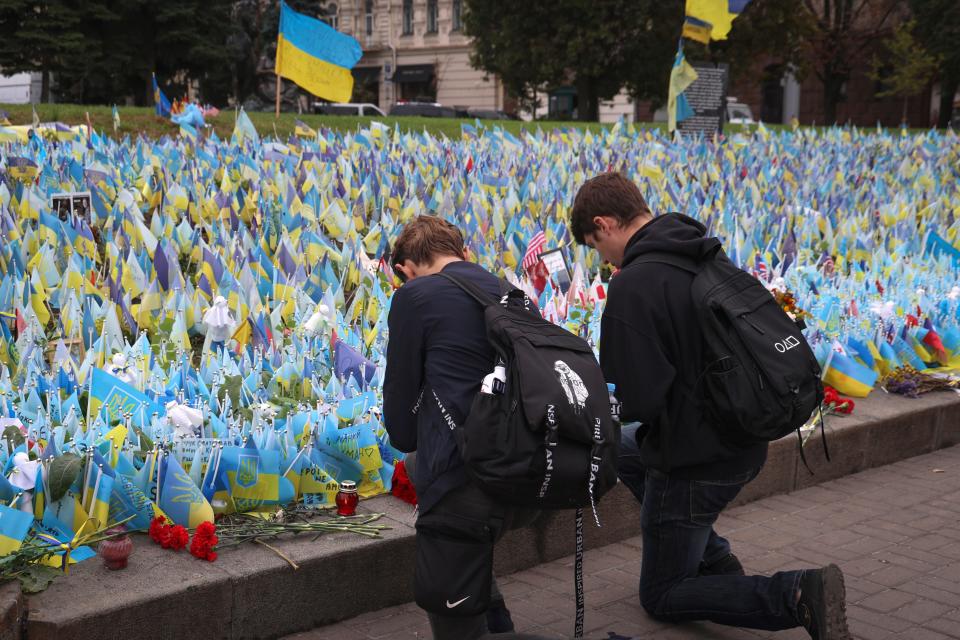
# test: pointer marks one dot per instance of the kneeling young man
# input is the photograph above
(678, 464)
(437, 356)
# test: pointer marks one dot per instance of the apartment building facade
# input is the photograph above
(414, 50)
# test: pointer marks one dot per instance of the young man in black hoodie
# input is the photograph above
(676, 462)
(437, 357)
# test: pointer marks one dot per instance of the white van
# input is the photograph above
(738, 112)
(348, 109)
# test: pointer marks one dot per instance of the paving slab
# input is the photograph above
(905, 587)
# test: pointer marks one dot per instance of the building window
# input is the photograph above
(432, 17)
(332, 18)
(456, 15)
(369, 17)
(407, 17)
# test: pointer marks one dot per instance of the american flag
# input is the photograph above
(534, 249)
(762, 272)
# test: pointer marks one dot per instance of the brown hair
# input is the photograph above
(426, 238)
(610, 195)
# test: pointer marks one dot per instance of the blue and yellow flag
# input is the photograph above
(848, 376)
(303, 129)
(98, 487)
(14, 526)
(115, 397)
(56, 533)
(160, 101)
(127, 500)
(253, 475)
(317, 487)
(681, 77)
(713, 17)
(315, 55)
(180, 498)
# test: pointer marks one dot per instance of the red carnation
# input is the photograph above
(178, 538)
(835, 402)
(155, 526)
(159, 530)
(204, 540)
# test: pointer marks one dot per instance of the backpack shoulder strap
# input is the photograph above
(692, 265)
(672, 259)
(475, 292)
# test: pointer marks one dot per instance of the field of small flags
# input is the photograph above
(209, 336)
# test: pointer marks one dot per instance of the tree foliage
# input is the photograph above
(910, 66)
(601, 46)
(938, 30)
(103, 51)
(41, 35)
(595, 45)
(767, 29)
(842, 32)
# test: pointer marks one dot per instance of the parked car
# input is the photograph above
(739, 113)
(424, 109)
(489, 114)
(348, 109)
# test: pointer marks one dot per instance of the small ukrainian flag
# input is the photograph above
(14, 526)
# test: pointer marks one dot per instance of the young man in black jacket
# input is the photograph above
(437, 357)
(676, 462)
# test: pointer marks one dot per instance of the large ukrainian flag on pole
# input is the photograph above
(711, 19)
(316, 56)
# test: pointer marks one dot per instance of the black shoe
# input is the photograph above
(728, 565)
(822, 606)
(498, 618)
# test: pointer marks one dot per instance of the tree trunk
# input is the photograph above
(832, 86)
(44, 86)
(588, 103)
(948, 88)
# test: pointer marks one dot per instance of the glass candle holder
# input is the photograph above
(347, 498)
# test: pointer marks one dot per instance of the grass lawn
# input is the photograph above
(136, 119)
(142, 119)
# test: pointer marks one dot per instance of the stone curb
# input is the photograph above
(12, 611)
(251, 593)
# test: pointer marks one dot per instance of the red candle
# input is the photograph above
(115, 551)
(347, 498)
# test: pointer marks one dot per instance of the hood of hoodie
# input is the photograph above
(670, 233)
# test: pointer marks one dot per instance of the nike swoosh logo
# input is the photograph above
(457, 603)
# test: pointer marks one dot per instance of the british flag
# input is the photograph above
(534, 249)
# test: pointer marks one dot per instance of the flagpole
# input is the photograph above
(277, 114)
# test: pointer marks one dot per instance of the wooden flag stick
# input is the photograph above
(277, 115)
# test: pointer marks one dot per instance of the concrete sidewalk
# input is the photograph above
(894, 530)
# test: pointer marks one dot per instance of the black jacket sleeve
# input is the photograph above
(636, 363)
(404, 375)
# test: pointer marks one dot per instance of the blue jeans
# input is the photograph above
(634, 476)
(677, 516)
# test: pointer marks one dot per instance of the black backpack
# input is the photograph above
(549, 440)
(759, 378)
